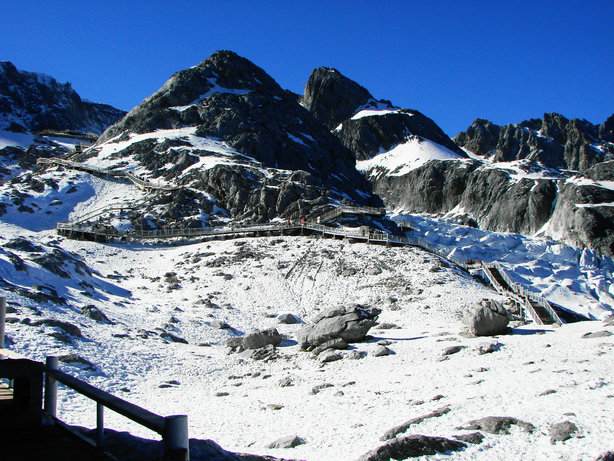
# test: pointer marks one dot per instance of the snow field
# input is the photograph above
(302, 275)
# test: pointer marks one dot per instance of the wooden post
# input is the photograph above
(176, 440)
(51, 387)
(2, 320)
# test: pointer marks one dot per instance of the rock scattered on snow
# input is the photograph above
(412, 446)
(388, 326)
(255, 340)
(473, 437)
(499, 425)
(350, 323)
(488, 348)
(452, 350)
(92, 312)
(598, 334)
(288, 319)
(381, 351)
(316, 389)
(66, 327)
(562, 431)
(72, 359)
(329, 356)
(290, 441)
(392, 433)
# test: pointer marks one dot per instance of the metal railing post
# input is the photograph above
(2, 320)
(99, 425)
(51, 387)
(176, 440)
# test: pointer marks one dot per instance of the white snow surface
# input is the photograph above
(375, 112)
(405, 157)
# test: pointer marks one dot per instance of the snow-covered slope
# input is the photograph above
(405, 157)
(154, 292)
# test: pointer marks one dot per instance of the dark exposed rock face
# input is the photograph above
(491, 196)
(554, 141)
(35, 102)
(229, 98)
(283, 162)
(583, 217)
(332, 97)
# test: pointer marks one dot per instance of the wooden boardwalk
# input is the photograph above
(45, 443)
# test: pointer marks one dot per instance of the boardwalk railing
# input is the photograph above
(106, 172)
(173, 429)
(520, 294)
(351, 210)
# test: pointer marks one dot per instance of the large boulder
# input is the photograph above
(486, 318)
(350, 323)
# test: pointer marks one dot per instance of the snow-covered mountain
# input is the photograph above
(157, 322)
(236, 143)
(518, 178)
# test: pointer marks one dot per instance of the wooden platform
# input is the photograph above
(48, 443)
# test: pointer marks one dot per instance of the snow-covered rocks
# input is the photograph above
(349, 323)
(255, 340)
(486, 318)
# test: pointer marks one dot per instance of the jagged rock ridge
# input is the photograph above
(33, 102)
(553, 141)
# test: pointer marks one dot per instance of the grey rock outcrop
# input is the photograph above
(349, 323)
(486, 318)
(331, 97)
(562, 431)
(499, 425)
(412, 446)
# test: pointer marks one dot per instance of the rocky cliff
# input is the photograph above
(34, 102)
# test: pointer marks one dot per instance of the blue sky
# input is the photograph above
(454, 61)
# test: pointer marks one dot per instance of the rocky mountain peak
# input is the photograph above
(554, 141)
(227, 129)
(32, 101)
(331, 97)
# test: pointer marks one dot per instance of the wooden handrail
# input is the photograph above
(129, 410)
(173, 429)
